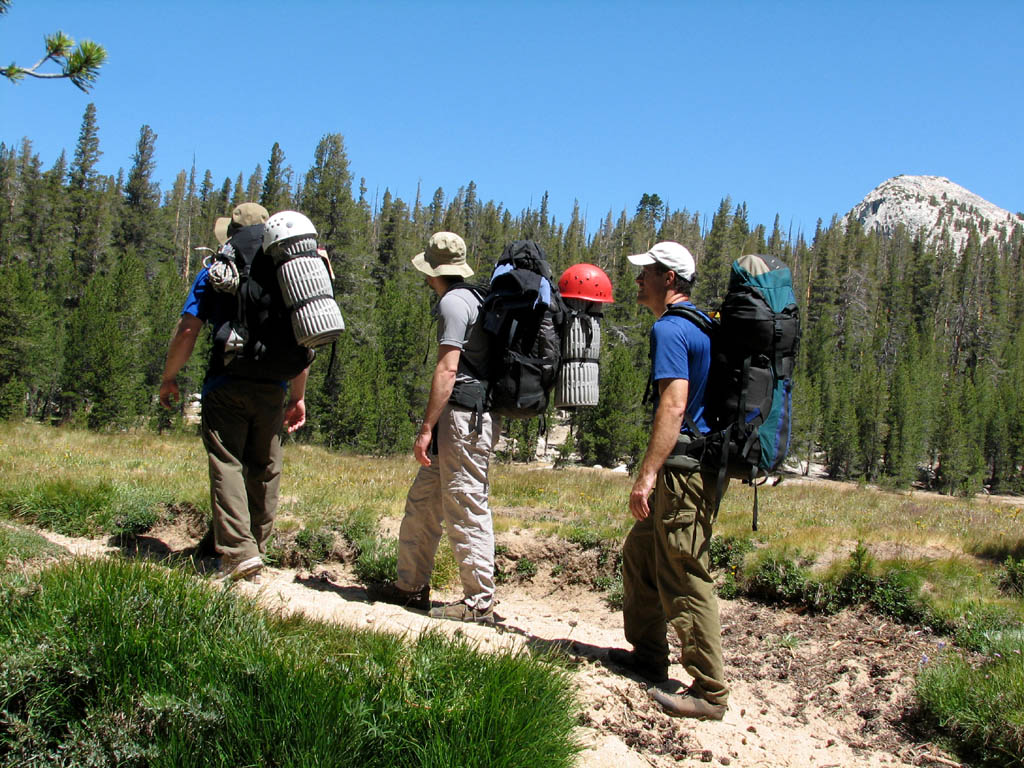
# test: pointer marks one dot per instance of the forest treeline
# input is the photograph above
(911, 367)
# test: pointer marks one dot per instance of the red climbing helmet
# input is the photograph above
(587, 282)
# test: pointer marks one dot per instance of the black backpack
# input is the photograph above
(749, 393)
(523, 315)
(258, 342)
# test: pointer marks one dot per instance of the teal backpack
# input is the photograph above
(749, 402)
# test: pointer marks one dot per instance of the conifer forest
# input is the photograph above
(910, 370)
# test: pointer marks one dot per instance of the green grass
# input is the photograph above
(980, 702)
(952, 564)
(20, 546)
(120, 663)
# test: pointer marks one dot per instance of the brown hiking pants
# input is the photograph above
(666, 580)
(242, 433)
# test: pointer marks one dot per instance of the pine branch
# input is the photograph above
(80, 65)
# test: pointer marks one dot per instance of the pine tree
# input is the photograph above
(141, 196)
(276, 194)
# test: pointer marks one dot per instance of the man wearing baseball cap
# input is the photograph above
(454, 447)
(665, 559)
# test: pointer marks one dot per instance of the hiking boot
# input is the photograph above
(389, 592)
(233, 570)
(688, 705)
(461, 612)
(655, 672)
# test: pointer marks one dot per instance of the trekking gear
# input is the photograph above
(584, 288)
(748, 400)
(234, 570)
(648, 669)
(459, 611)
(585, 282)
(305, 278)
(257, 342)
(389, 592)
(523, 315)
(688, 705)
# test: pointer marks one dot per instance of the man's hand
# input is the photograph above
(169, 394)
(295, 414)
(642, 488)
(422, 445)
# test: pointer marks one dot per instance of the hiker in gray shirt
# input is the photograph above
(454, 448)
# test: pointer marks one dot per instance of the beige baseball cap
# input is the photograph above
(445, 255)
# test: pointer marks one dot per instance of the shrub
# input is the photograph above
(729, 551)
(526, 568)
(1011, 577)
(358, 524)
(377, 561)
(587, 538)
(778, 579)
(314, 545)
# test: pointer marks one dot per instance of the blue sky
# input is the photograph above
(796, 108)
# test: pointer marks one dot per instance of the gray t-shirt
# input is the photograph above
(457, 327)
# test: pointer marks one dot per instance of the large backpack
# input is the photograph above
(754, 341)
(523, 315)
(257, 341)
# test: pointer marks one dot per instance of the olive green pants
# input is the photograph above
(242, 433)
(666, 580)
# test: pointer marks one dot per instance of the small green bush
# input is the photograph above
(729, 551)
(359, 523)
(377, 561)
(135, 521)
(587, 538)
(526, 568)
(777, 579)
(613, 593)
(314, 545)
(1011, 577)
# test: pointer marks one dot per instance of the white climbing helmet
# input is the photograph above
(286, 227)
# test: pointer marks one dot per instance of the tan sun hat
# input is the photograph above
(244, 215)
(445, 255)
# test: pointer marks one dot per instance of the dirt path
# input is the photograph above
(821, 692)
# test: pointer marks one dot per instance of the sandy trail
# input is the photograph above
(807, 691)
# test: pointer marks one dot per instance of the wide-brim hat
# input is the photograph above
(670, 255)
(220, 229)
(445, 255)
(244, 215)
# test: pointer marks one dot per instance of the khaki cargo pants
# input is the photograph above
(242, 433)
(666, 579)
(453, 490)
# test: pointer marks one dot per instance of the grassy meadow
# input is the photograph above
(954, 565)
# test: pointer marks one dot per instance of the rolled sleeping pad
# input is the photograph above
(577, 383)
(306, 287)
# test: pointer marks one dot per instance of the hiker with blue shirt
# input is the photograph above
(245, 401)
(665, 559)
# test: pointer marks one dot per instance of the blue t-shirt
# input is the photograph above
(208, 305)
(680, 350)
